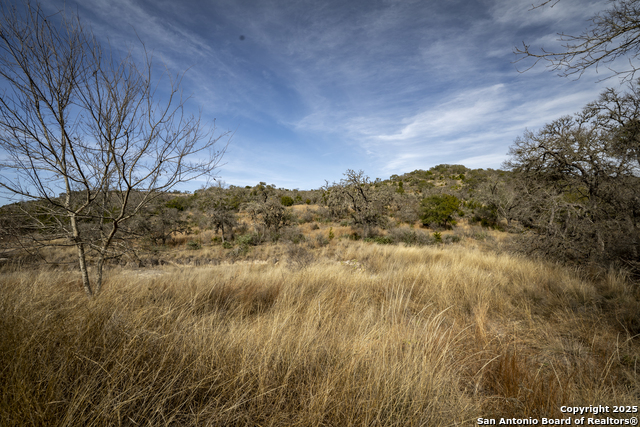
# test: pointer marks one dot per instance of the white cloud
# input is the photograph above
(485, 161)
(466, 111)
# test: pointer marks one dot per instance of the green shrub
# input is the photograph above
(440, 210)
(176, 203)
(437, 237)
(193, 245)
(249, 239)
(227, 245)
(286, 201)
(381, 240)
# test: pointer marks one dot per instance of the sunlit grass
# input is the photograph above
(365, 335)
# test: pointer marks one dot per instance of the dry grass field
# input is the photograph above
(344, 334)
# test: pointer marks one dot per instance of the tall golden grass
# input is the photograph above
(365, 335)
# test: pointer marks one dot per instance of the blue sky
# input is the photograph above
(313, 88)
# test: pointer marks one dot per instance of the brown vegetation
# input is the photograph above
(364, 334)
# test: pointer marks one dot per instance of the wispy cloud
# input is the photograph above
(467, 111)
(386, 86)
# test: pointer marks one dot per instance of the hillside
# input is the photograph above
(241, 217)
(265, 306)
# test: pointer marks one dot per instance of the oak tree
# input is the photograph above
(580, 180)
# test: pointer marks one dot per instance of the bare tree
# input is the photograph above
(612, 34)
(270, 214)
(356, 195)
(157, 222)
(83, 133)
(501, 196)
(220, 209)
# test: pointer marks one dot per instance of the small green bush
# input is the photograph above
(437, 237)
(381, 240)
(286, 201)
(249, 239)
(176, 203)
(193, 245)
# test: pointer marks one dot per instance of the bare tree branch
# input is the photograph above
(612, 34)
